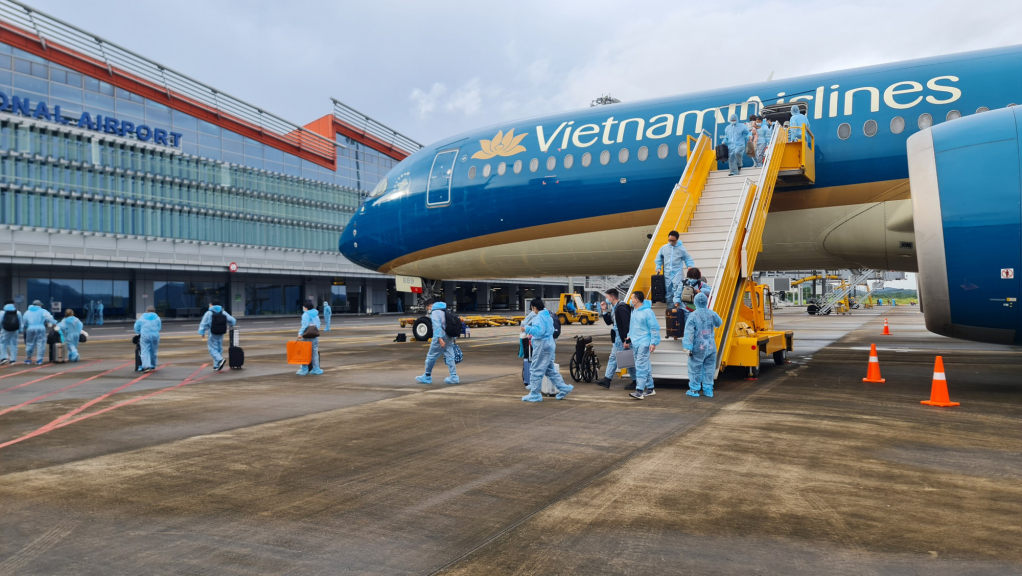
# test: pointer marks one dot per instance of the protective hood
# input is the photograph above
(701, 301)
(33, 308)
(439, 306)
(733, 119)
(795, 109)
(217, 309)
(150, 316)
(646, 304)
(10, 308)
(312, 313)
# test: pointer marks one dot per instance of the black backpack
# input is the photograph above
(218, 323)
(452, 324)
(557, 326)
(722, 152)
(11, 321)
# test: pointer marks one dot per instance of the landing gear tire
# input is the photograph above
(422, 329)
(781, 357)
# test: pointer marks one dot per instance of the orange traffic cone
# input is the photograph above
(873, 372)
(938, 391)
(887, 329)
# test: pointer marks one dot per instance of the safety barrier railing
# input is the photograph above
(744, 240)
(681, 206)
(374, 129)
(55, 34)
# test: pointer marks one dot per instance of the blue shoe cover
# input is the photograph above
(424, 379)
(532, 397)
(708, 393)
(452, 380)
(561, 395)
(316, 372)
(693, 394)
(303, 371)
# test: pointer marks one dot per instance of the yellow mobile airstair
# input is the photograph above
(720, 219)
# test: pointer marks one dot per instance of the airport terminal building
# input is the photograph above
(127, 183)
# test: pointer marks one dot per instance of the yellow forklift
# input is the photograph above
(580, 314)
(754, 333)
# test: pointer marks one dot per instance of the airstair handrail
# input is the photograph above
(695, 162)
(764, 194)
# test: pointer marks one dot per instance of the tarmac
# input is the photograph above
(806, 470)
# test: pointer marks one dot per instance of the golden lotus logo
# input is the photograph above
(501, 145)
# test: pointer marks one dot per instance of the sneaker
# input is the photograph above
(638, 395)
(220, 365)
(28, 361)
(424, 379)
(532, 397)
(604, 383)
(4, 362)
(146, 370)
(631, 386)
(692, 394)
(649, 392)
(38, 362)
(561, 395)
(452, 380)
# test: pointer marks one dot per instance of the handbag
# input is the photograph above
(299, 352)
(458, 354)
(625, 358)
(310, 332)
(83, 337)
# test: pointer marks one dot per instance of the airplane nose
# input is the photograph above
(349, 244)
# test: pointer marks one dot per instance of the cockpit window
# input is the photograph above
(380, 189)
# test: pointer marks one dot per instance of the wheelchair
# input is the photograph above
(585, 365)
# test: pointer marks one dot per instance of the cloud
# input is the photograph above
(467, 99)
(425, 102)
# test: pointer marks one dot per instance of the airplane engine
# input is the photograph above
(966, 179)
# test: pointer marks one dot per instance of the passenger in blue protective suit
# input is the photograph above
(701, 343)
(617, 313)
(763, 134)
(736, 136)
(441, 345)
(71, 329)
(35, 321)
(797, 119)
(148, 329)
(643, 335)
(327, 313)
(671, 261)
(542, 363)
(310, 317)
(215, 342)
(99, 313)
(90, 312)
(9, 338)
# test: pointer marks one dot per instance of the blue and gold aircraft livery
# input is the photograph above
(579, 192)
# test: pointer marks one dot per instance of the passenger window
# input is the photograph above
(982, 109)
(643, 153)
(517, 166)
(953, 115)
(844, 131)
(551, 163)
(897, 125)
(472, 172)
(587, 159)
(683, 149)
(925, 121)
(569, 161)
(662, 151)
(870, 128)
(501, 168)
(622, 155)
(533, 164)
(605, 157)
(486, 171)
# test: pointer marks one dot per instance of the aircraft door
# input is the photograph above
(438, 191)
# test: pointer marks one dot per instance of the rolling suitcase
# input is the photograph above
(657, 288)
(58, 353)
(137, 341)
(235, 353)
(675, 322)
(548, 388)
(722, 152)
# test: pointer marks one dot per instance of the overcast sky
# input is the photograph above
(432, 69)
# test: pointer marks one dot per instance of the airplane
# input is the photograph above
(580, 192)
